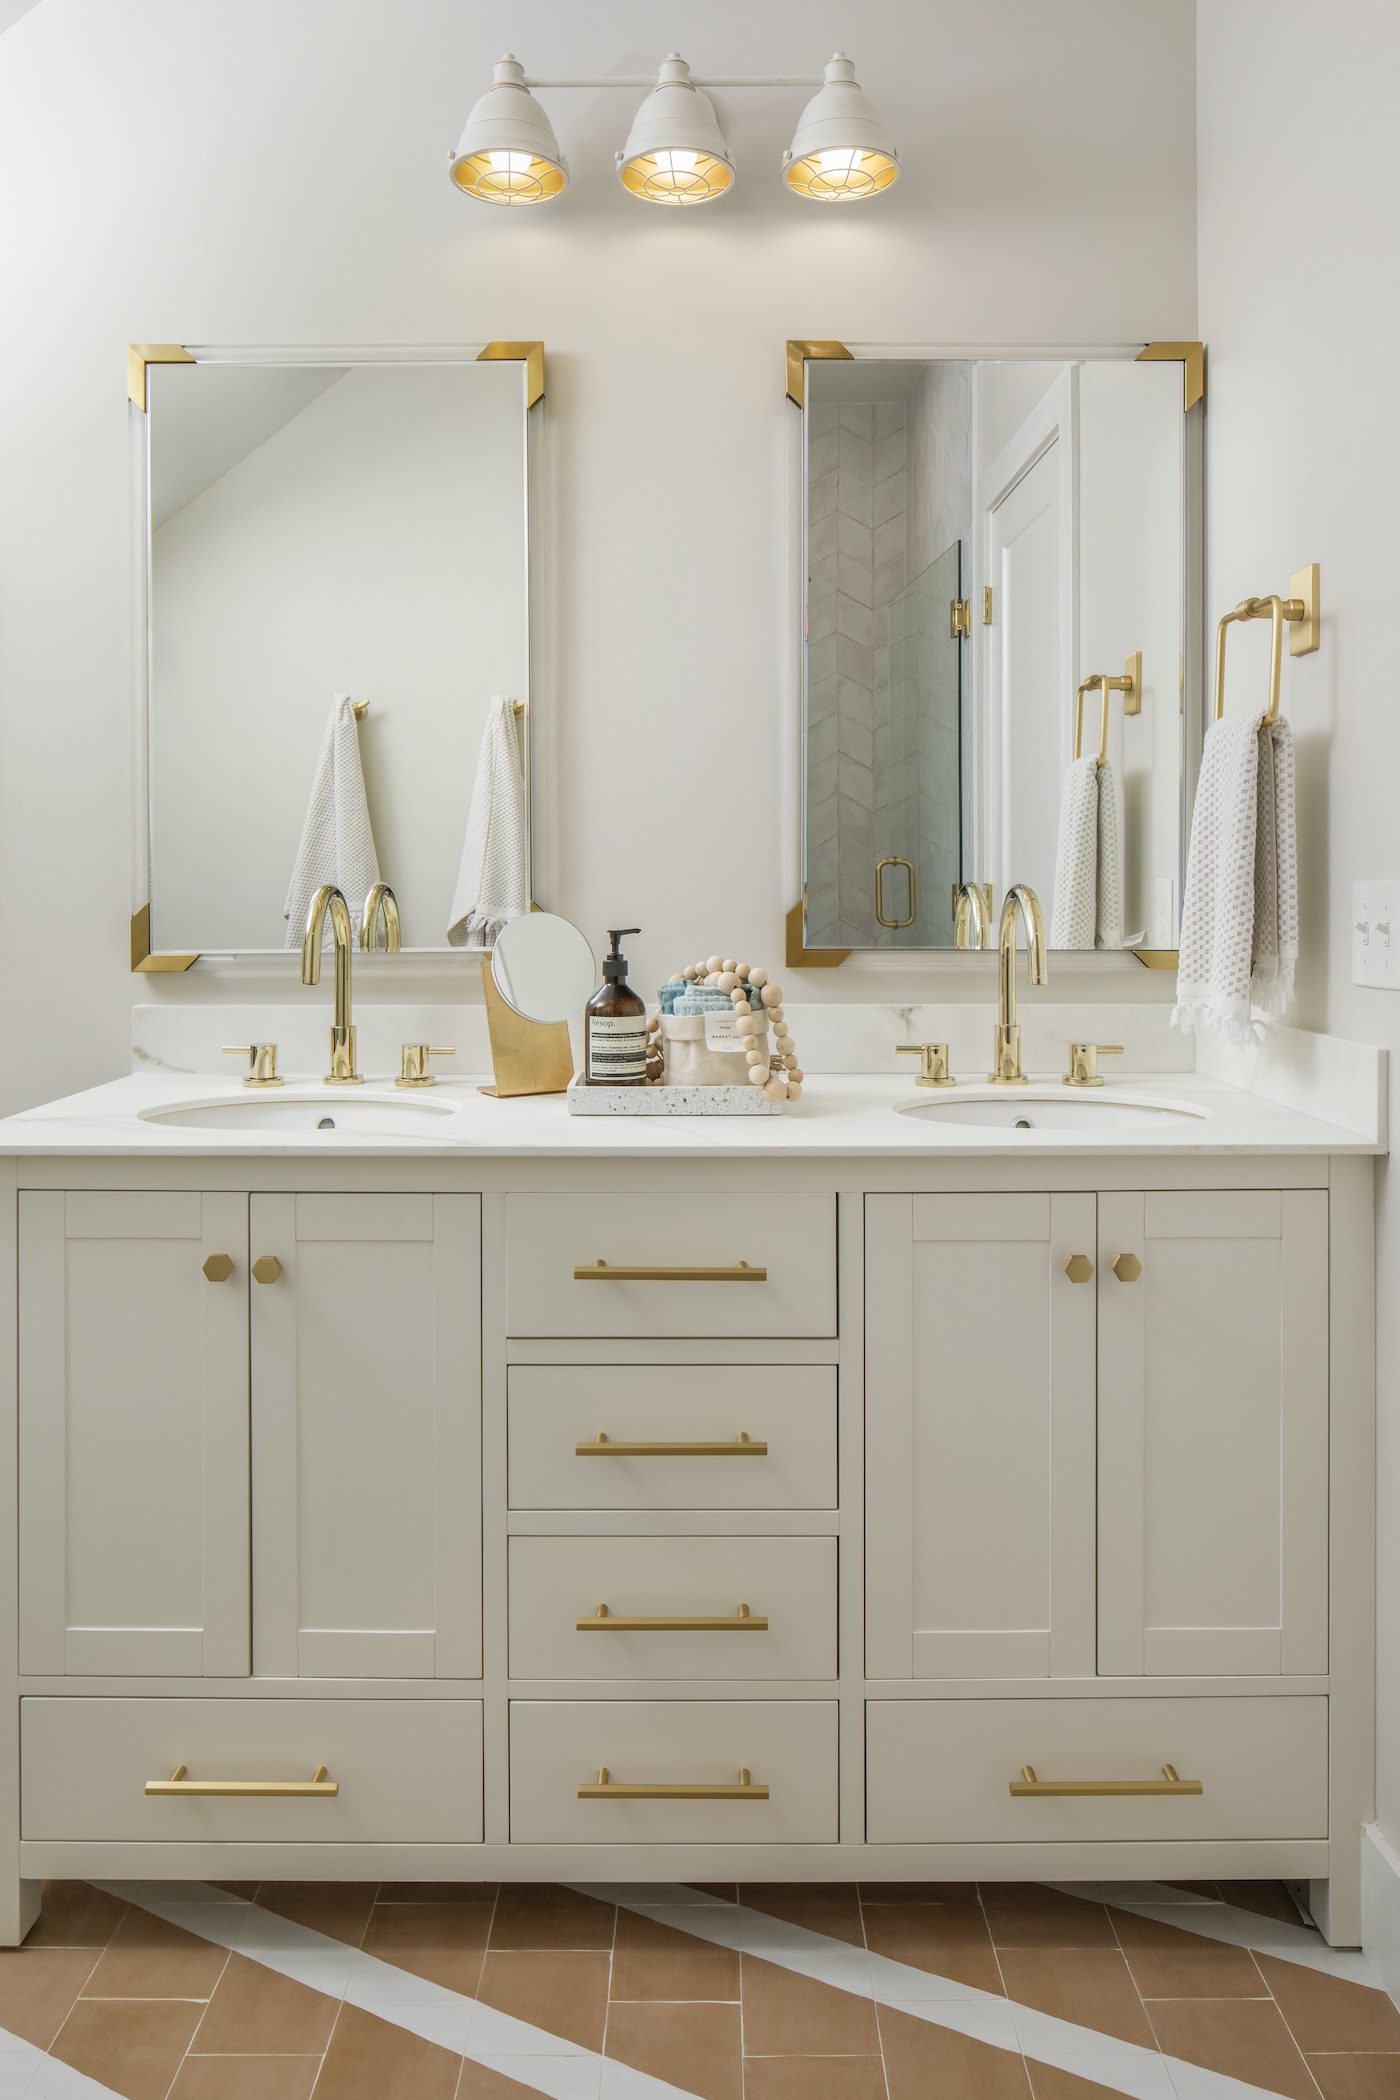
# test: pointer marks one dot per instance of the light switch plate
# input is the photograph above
(1375, 933)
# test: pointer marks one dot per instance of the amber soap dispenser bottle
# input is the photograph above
(615, 1024)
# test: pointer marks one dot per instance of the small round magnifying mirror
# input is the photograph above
(543, 967)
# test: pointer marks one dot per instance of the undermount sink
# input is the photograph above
(329, 1109)
(1043, 1108)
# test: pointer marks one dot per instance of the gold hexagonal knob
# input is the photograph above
(1127, 1268)
(266, 1269)
(218, 1267)
(1079, 1268)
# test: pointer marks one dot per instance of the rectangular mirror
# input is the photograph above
(984, 537)
(315, 526)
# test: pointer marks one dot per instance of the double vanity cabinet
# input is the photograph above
(590, 1506)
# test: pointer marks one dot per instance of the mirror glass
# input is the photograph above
(315, 530)
(543, 967)
(983, 536)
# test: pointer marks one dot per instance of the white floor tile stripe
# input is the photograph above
(1231, 1927)
(942, 2001)
(531, 2055)
(26, 2073)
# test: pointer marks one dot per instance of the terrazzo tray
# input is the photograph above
(744, 1100)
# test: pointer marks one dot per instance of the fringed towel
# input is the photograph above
(491, 883)
(1239, 925)
(1088, 903)
(337, 842)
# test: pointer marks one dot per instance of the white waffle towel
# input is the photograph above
(337, 841)
(491, 882)
(1239, 926)
(1088, 904)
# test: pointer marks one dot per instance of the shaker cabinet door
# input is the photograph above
(133, 1434)
(366, 1340)
(980, 1436)
(1213, 1449)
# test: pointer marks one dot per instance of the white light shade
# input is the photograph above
(675, 151)
(840, 150)
(508, 153)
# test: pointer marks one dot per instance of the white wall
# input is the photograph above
(1300, 309)
(275, 172)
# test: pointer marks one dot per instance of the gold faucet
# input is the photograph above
(381, 900)
(329, 898)
(1007, 1054)
(972, 906)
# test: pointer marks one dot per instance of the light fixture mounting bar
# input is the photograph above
(704, 80)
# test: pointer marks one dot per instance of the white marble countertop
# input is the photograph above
(838, 1117)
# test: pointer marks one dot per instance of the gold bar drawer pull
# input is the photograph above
(606, 1789)
(608, 1272)
(1167, 1784)
(741, 1446)
(604, 1621)
(317, 1788)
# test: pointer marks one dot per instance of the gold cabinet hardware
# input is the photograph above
(1084, 1062)
(266, 1269)
(413, 1063)
(893, 860)
(218, 1267)
(605, 1621)
(601, 1271)
(262, 1062)
(1028, 1784)
(606, 1789)
(1079, 1268)
(741, 1446)
(316, 1788)
(959, 619)
(1127, 1268)
(933, 1071)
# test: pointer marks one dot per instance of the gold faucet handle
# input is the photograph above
(933, 1069)
(413, 1063)
(1084, 1062)
(262, 1062)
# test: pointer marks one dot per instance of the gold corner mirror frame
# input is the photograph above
(203, 454)
(938, 616)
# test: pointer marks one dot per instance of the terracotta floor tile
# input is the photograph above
(1242, 2038)
(1269, 1898)
(76, 1915)
(134, 2045)
(827, 1907)
(1326, 2012)
(149, 1958)
(246, 2078)
(565, 1993)
(656, 1961)
(695, 2047)
(1168, 1963)
(1022, 1914)
(946, 1939)
(370, 2060)
(438, 1891)
(1357, 2077)
(446, 1942)
(920, 1892)
(256, 2012)
(539, 1915)
(479, 2083)
(1049, 2083)
(1089, 1985)
(38, 1986)
(924, 2062)
(340, 1909)
(789, 2015)
(814, 2078)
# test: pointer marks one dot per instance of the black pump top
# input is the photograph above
(615, 962)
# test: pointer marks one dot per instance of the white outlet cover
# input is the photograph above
(1375, 933)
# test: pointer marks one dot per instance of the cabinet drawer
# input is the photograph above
(775, 1599)
(787, 1747)
(740, 1409)
(943, 1769)
(790, 1239)
(408, 1770)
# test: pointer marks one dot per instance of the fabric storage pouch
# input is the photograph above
(706, 1049)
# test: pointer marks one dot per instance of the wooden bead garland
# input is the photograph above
(779, 1075)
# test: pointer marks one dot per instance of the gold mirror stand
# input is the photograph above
(527, 1057)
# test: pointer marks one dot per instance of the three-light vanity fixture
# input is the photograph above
(675, 152)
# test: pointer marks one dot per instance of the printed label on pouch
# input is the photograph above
(719, 1032)
(617, 1046)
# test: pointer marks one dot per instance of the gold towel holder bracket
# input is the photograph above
(1300, 612)
(1129, 685)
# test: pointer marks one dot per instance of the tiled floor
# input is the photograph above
(891, 1992)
